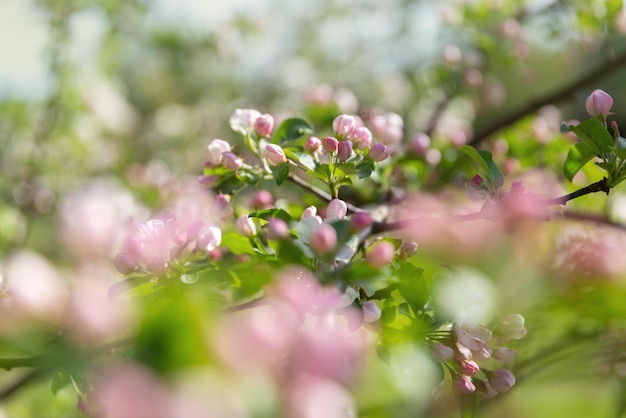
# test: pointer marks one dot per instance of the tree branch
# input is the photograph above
(602, 71)
(599, 186)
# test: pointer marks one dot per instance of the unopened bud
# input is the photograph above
(263, 125)
(324, 239)
(331, 144)
(312, 144)
(344, 150)
(378, 152)
(344, 124)
(245, 226)
(274, 154)
(599, 103)
(380, 254)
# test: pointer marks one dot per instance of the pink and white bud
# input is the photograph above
(344, 150)
(277, 229)
(360, 220)
(442, 353)
(324, 239)
(245, 226)
(336, 209)
(378, 152)
(209, 238)
(362, 137)
(242, 120)
(215, 149)
(469, 368)
(331, 144)
(274, 154)
(463, 384)
(309, 212)
(371, 312)
(598, 104)
(312, 144)
(408, 248)
(419, 143)
(380, 254)
(125, 262)
(344, 124)
(262, 199)
(263, 125)
(231, 161)
(501, 380)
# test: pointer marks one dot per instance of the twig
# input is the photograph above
(319, 192)
(601, 72)
(599, 186)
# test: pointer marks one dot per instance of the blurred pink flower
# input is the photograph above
(242, 120)
(380, 254)
(336, 209)
(315, 397)
(463, 384)
(501, 380)
(324, 239)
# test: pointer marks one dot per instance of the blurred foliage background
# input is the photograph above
(133, 90)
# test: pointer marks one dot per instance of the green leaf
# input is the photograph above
(412, 285)
(237, 243)
(291, 129)
(272, 213)
(280, 173)
(322, 172)
(365, 168)
(578, 156)
(485, 161)
(593, 133)
(59, 381)
(474, 155)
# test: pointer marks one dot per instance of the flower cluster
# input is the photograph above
(466, 346)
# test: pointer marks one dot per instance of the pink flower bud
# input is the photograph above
(215, 149)
(274, 154)
(331, 144)
(419, 143)
(598, 104)
(362, 137)
(209, 238)
(469, 368)
(379, 152)
(262, 199)
(501, 380)
(309, 212)
(125, 262)
(344, 150)
(312, 144)
(442, 353)
(277, 229)
(408, 248)
(231, 161)
(324, 239)
(336, 209)
(504, 355)
(463, 384)
(360, 220)
(263, 125)
(344, 124)
(245, 226)
(477, 182)
(371, 312)
(380, 254)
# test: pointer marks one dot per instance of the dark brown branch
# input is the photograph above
(602, 71)
(599, 186)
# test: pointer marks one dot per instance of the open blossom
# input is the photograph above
(242, 120)
(599, 103)
(215, 149)
(274, 154)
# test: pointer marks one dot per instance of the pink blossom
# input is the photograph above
(419, 143)
(502, 380)
(309, 212)
(209, 238)
(371, 311)
(360, 220)
(324, 239)
(231, 161)
(362, 137)
(380, 254)
(262, 199)
(215, 149)
(274, 154)
(504, 354)
(245, 226)
(277, 229)
(463, 384)
(314, 397)
(331, 144)
(598, 104)
(263, 125)
(378, 152)
(312, 144)
(242, 120)
(442, 352)
(336, 209)
(469, 368)
(343, 125)
(344, 150)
